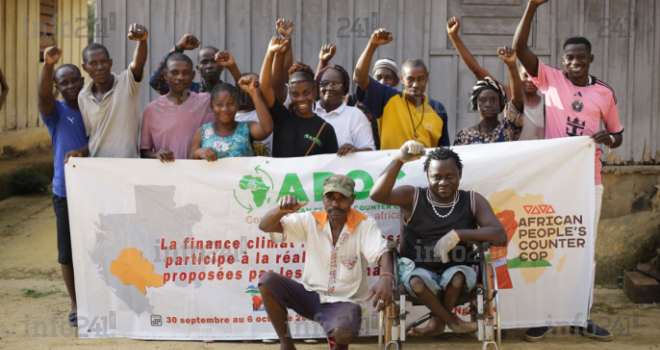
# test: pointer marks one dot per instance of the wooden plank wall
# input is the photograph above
(20, 31)
(625, 35)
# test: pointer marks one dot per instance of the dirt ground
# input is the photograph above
(28, 260)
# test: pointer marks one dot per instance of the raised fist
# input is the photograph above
(452, 25)
(247, 83)
(411, 150)
(327, 52)
(381, 37)
(224, 59)
(507, 54)
(52, 55)
(188, 42)
(137, 32)
(284, 27)
(277, 44)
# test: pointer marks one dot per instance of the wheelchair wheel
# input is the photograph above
(490, 331)
(496, 310)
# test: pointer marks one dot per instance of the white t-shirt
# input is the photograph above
(534, 126)
(261, 148)
(337, 272)
(113, 124)
(350, 124)
(287, 102)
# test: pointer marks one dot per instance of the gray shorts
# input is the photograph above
(293, 295)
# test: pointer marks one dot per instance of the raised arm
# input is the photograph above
(401, 196)
(361, 72)
(261, 130)
(46, 97)
(139, 33)
(286, 205)
(285, 28)
(226, 60)
(327, 53)
(265, 86)
(527, 58)
(453, 25)
(157, 79)
(283, 60)
(508, 56)
(280, 73)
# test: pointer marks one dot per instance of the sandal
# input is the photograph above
(73, 318)
(443, 336)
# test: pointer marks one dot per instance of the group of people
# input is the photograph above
(288, 110)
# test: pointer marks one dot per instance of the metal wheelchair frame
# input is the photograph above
(484, 305)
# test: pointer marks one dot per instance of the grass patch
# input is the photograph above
(35, 293)
(27, 181)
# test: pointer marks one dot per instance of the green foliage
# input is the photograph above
(26, 181)
(34, 293)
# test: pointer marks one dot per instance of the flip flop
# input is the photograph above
(73, 318)
(462, 335)
(443, 336)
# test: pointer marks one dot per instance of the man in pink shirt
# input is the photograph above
(576, 102)
(168, 123)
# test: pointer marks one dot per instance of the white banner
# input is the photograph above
(173, 251)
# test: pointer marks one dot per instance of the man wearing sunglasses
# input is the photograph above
(353, 129)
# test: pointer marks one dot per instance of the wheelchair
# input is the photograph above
(483, 301)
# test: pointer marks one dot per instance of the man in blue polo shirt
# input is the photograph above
(67, 131)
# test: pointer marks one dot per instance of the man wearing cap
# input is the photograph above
(386, 72)
(340, 242)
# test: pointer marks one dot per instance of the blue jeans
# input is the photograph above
(438, 282)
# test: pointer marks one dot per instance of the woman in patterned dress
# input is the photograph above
(489, 98)
(226, 137)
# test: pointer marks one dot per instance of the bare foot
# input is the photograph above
(434, 328)
(463, 327)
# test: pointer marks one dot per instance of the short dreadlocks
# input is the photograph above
(442, 153)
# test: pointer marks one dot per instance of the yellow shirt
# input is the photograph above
(394, 113)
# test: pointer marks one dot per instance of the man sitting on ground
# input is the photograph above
(340, 241)
(437, 219)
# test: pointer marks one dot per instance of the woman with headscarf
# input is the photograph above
(489, 99)
(534, 126)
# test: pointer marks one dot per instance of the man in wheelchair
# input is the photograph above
(441, 223)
